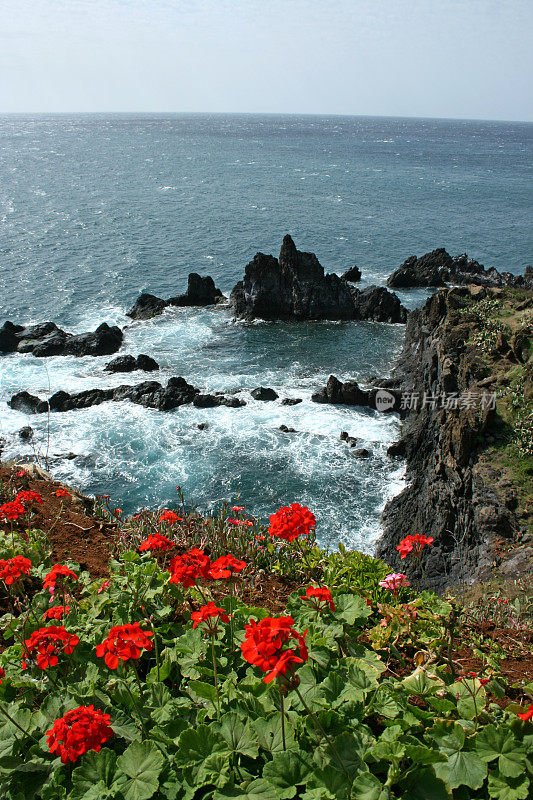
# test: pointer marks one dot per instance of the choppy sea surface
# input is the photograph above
(95, 209)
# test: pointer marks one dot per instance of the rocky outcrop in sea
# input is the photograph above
(46, 339)
(438, 268)
(295, 287)
(201, 291)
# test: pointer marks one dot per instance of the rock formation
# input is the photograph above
(294, 287)
(456, 491)
(130, 364)
(439, 268)
(47, 339)
(150, 394)
(353, 275)
(201, 291)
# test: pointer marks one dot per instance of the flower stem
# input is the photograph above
(282, 707)
(324, 734)
(215, 674)
(10, 718)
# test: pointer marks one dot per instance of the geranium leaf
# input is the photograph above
(287, 771)
(502, 787)
(269, 733)
(367, 787)
(462, 768)
(351, 607)
(238, 735)
(500, 743)
(95, 768)
(141, 763)
(196, 745)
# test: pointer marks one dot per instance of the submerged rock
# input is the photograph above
(294, 287)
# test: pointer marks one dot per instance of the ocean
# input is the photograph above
(95, 209)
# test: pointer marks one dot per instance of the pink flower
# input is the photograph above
(394, 582)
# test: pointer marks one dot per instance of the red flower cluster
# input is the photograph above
(247, 523)
(527, 714)
(224, 567)
(56, 612)
(46, 644)
(58, 571)
(2, 675)
(290, 522)
(12, 510)
(318, 596)
(206, 614)
(237, 508)
(27, 496)
(264, 643)
(156, 541)
(414, 543)
(13, 568)
(61, 493)
(189, 567)
(83, 729)
(170, 517)
(124, 642)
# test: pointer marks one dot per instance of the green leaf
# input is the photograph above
(420, 683)
(195, 745)
(500, 743)
(351, 749)
(287, 771)
(462, 769)
(351, 607)
(502, 787)
(238, 735)
(367, 787)
(269, 734)
(95, 768)
(141, 763)
(423, 785)
(204, 690)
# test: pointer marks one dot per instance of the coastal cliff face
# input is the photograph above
(469, 464)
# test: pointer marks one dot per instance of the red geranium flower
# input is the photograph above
(27, 496)
(12, 510)
(61, 493)
(237, 508)
(21, 473)
(58, 571)
(13, 568)
(414, 543)
(527, 714)
(124, 642)
(264, 645)
(225, 566)
(189, 567)
(83, 729)
(319, 596)
(207, 614)
(56, 612)
(46, 644)
(2, 675)
(170, 517)
(290, 522)
(156, 541)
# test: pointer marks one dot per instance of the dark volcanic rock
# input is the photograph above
(291, 401)
(130, 363)
(201, 291)
(26, 433)
(353, 275)
(376, 304)
(451, 493)
(47, 339)
(361, 452)
(439, 268)
(150, 394)
(294, 287)
(25, 402)
(147, 306)
(339, 393)
(264, 394)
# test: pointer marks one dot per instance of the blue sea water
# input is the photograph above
(95, 209)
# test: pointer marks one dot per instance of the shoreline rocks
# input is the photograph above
(150, 394)
(295, 287)
(438, 269)
(385, 400)
(201, 291)
(130, 364)
(47, 339)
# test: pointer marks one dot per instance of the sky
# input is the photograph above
(423, 58)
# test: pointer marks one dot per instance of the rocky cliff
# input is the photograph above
(469, 464)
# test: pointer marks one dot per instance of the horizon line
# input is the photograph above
(265, 114)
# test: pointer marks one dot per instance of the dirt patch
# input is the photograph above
(73, 533)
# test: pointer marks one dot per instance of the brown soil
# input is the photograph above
(73, 533)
